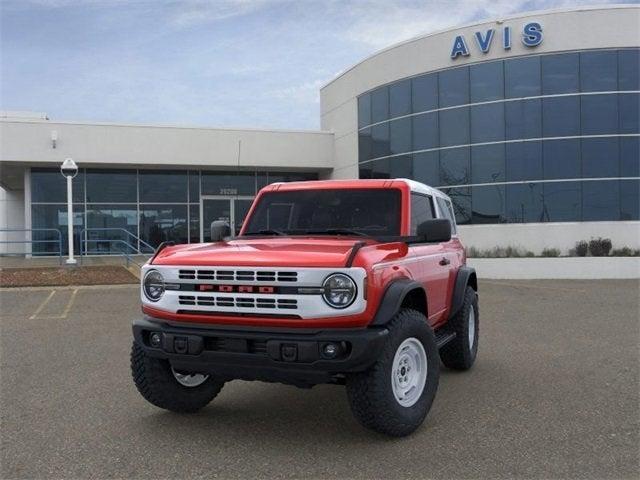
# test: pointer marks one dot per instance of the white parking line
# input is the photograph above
(60, 316)
(42, 305)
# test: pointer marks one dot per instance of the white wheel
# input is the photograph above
(189, 379)
(409, 372)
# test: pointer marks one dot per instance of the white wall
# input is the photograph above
(538, 236)
(11, 216)
(583, 268)
(111, 144)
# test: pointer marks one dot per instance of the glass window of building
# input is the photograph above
(454, 166)
(107, 226)
(380, 140)
(600, 201)
(523, 119)
(523, 161)
(112, 186)
(522, 77)
(380, 105)
(560, 73)
(226, 183)
(49, 186)
(599, 71)
(630, 200)
(461, 202)
(629, 112)
(454, 87)
(562, 201)
(630, 157)
(401, 167)
(487, 81)
(454, 127)
(599, 114)
(194, 186)
(163, 186)
(600, 158)
(365, 145)
(194, 223)
(524, 203)
(629, 69)
(55, 217)
(380, 168)
(162, 223)
(487, 204)
(426, 168)
(561, 116)
(487, 163)
(487, 123)
(425, 131)
(424, 92)
(400, 98)
(400, 135)
(421, 211)
(561, 159)
(364, 110)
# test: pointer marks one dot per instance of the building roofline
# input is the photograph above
(515, 16)
(168, 126)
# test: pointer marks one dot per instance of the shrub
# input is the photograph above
(581, 248)
(550, 252)
(624, 252)
(600, 247)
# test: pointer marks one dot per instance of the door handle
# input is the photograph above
(444, 261)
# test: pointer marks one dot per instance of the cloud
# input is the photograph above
(195, 12)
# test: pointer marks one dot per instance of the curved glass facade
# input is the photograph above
(542, 138)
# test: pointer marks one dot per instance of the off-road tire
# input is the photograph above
(371, 394)
(457, 354)
(156, 383)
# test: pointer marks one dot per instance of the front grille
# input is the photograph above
(238, 302)
(233, 275)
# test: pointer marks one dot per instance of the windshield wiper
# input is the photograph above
(337, 231)
(267, 232)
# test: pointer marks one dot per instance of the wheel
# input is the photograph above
(460, 353)
(167, 388)
(394, 395)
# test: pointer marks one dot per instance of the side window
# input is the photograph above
(421, 210)
(447, 212)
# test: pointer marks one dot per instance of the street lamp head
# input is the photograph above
(69, 168)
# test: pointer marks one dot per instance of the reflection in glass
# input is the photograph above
(400, 98)
(401, 167)
(600, 157)
(163, 186)
(560, 73)
(599, 71)
(424, 92)
(522, 77)
(461, 201)
(380, 140)
(561, 159)
(454, 127)
(487, 204)
(365, 145)
(630, 200)
(630, 157)
(487, 123)
(400, 135)
(48, 185)
(380, 104)
(629, 112)
(364, 110)
(194, 223)
(629, 69)
(454, 87)
(562, 201)
(599, 114)
(523, 161)
(487, 163)
(561, 116)
(425, 131)
(194, 186)
(426, 168)
(487, 81)
(600, 201)
(524, 203)
(162, 223)
(454, 166)
(115, 218)
(55, 216)
(109, 186)
(523, 119)
(226, 183)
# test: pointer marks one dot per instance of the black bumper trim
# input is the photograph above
(281, 355)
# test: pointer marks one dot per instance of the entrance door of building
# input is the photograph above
(229, 209)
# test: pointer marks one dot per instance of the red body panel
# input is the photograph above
(383, 262)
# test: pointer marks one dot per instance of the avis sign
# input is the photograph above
(531, 37)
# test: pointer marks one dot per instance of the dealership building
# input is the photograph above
(529, 123)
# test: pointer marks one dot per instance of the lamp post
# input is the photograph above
(69, 169)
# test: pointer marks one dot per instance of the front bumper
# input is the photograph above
(292, 356)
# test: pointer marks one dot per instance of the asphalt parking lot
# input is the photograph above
(554, 394)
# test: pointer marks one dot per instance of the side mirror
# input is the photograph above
(436, 230)
(219, 230)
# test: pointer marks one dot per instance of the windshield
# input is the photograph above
(374, 212)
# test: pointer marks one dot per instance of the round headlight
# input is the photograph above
(153, 285)
(339, 290)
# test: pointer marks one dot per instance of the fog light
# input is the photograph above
(330, 350)
(155, 339)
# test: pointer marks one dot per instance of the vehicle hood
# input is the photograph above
(272, 252)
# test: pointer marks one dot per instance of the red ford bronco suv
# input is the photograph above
(360, 283)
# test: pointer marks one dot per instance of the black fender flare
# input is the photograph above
(392, 299)
(466, 276)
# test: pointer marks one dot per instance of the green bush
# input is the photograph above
(600, 247)
(550, 252)
(581, 248)
(624, 252)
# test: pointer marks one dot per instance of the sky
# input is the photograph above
(217, 63)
